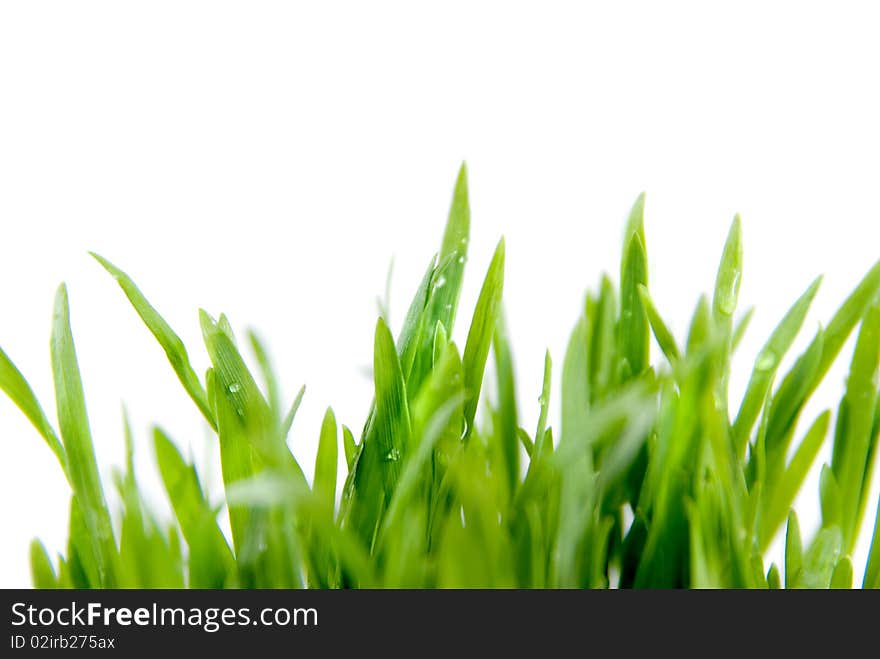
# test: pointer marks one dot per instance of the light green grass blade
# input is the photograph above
(72, 417)
(804, 377)
(872, 567)
(170, 342)
(852, 447)
(287, 423)
(768, 362)
(19, 391)
(739, 330)
(258, 347)
(830, 499)
(781, 496)
(479, 338)
(506, 415)
(634, 333)
(794, 553)
(42, 572)
(842, 577)
(326, 462)
(210, 561)
(821, 558)
(544, 404)
(349, 445)
(664, 336)
(729, 276)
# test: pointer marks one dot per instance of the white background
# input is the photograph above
(268, 159)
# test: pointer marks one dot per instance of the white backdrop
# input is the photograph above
(268, 159)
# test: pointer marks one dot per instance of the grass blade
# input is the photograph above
(72, 417)
(479, 338)
(170, 342)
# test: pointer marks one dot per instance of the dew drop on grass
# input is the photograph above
(441, 282)
(461, 259)
(235, 387)
(766, 360)
(727, 301)
(392, 456)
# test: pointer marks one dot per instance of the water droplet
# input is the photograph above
(235, 387)
(766, 360)
(461, 259)
(727, 300)
(441, 282)
(393, 455)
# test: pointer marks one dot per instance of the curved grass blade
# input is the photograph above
(19, 391)
(170, 342)
(664, 336)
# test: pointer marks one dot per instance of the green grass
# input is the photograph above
(653, 478)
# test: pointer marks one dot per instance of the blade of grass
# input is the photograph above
(479, 338)
(72, 417)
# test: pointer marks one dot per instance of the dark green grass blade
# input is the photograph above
(210, 560)
(170, 342)
(479, 338)
(377, 466)
(19, 391)
(83, 467)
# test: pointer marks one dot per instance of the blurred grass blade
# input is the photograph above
(326, 463)
(634, 333)
(664, 336)
(211, 561)
(42, 572)
(729, 275)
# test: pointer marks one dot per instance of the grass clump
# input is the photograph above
(651, 480)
